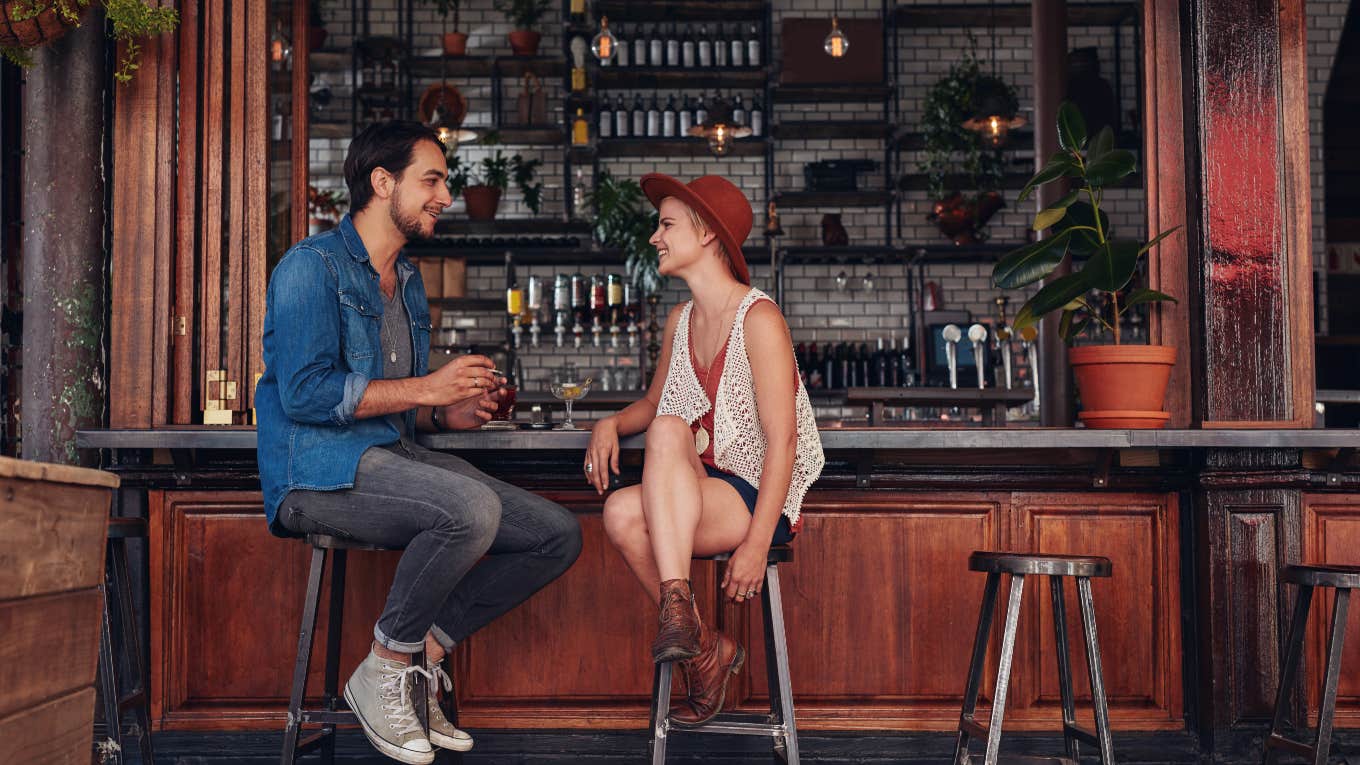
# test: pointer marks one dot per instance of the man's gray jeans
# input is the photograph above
(447, 515)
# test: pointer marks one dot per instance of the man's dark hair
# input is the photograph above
(389, 145)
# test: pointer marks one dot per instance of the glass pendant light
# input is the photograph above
(994, 110)
(836, 43)
(604, 44)
(719, 128)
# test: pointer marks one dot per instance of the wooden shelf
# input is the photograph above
(872, 129)
(800, 199)
(329, 130)
(525, 135)
(671, 78)
(510, 227)
(945, 253)
(468, 304)
(1010, 15)
(722, 11)
(1010, 181)
(823, 254)
(329, 61)
(674, 147)
(1020, 139)
(835, 93)
(485, 66)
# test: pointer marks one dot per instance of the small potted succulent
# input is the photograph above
(1121, 386)
(524, 15)
(28, 24)
(455, 42)
(482, 184)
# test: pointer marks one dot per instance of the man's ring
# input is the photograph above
(589, 467)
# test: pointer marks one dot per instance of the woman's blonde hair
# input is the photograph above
(702, 227)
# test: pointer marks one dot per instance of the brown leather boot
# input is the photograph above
(706, 677)
(678, 637)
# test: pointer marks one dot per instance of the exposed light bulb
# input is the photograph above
(604, 44)
(836, 43)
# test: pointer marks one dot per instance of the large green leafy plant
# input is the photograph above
(949, 146)
(1081, 229)
(129, 21)
(623, 219)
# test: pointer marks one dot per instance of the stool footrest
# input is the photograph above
(326, 716)
(1277, 741)
(972, 727)
(1022, 759)
(733, 725)
(131, 699)
(1081, 734)
(312, 741)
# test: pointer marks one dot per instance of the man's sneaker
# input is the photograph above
(443, 734)
(379, 693)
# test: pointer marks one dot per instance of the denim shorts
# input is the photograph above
(783, 534)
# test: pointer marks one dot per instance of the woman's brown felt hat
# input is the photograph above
(719, 202)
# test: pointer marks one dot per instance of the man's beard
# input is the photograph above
(409, 226)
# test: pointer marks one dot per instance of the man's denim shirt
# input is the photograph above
(322, 338)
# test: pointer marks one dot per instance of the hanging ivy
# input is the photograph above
(950, 148)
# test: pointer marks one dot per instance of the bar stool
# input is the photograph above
(120, 645)
(779, 723)
(1343, 579)
(332, 712)
(1055, 567)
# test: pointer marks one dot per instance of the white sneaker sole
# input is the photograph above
(386, 747)
(450, 743)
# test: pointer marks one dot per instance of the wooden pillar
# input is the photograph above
(1049, 22)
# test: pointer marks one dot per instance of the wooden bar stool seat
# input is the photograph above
(333, 710)
(1342, 579)
(1056, 568)
(779, 724)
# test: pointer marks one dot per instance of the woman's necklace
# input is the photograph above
(701, 437)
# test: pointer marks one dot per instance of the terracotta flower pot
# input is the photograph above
(1122, 386)
(455, 43)
(482, 202)
(524, 42)
(39, 30)
(961, 219)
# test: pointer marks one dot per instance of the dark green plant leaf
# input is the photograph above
(1057, 294)
(1060, 166)
(1145, 295)
(1101, 145)
(1030, 263)
(1110, 168)
(1157, 239)
(1075, 331)
(1112, 266)
(1084, 243)
(1071, 127)
(1023, 318)
(1055, 212)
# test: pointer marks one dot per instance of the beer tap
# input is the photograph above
(977, 335)
(1027, 336)
(952, 334)
(1003, 340)
(630, 310)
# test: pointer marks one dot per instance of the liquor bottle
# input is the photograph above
(814, 369)
(632, 308)
(599, 310)
(578, 11)
(907, 373)
(863, 365)
(700, 111)
(640, 48)
(753, 46)
(614, 302)
(893, 379)
(578, 195)
(621, 118)
(704, 47)
(880, 366)
(738, 112)
(620, 47)
(719, 47)
(656, 47)
(830, 368)
(514, 306)
(561, 307)
(672, 47)
(533, 301)
(639, 117)
(668, 118)
(686, 117)
(737, 48)
(580, 296)
(580, 131)
(687, 48)
(605, 123)
(653, 119)
(757, 117)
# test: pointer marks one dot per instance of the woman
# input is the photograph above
(732, 445)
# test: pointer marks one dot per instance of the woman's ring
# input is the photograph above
(589, 467)
(750, 593)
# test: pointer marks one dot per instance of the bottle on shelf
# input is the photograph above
(863, 366)
(668, 119)
(632, 309)
(892, 377)
(757, 117)
(578, 195)
(621, 47)
(639, 48)
(580, 297)
(736, 49)
(653, 118)
(514, 306)
(621, 118)
(738, 112)
(578, 11)
(879, 360)
(605, 126)
(532, 303)
(685, 119)
(598, 308)
(907, 367)
(830, 368)
(672, 47)
(753, 46)
(561, 307)
(656, 47)
(720, 48)
(687, 48)
(614, 303)
(700, 111)
(580, 130)
(813, 368)
(639, 117)
(704, 47)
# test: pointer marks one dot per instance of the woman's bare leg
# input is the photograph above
(627, 529)
(671, 498)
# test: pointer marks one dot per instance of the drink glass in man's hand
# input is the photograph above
(505, 406)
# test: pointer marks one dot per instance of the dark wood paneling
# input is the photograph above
(186, 223)
(49, 648)
(31, 738)
(1331, 534)
(1137, 608)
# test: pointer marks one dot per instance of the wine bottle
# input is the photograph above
(672, 47)
(639, 117)
(605, 120)
(653, 119)
(700, 111)
(640, 48)
(737, 49)
(620, 46)
(687, 51)
(757, 118)
(880, 365)
(738, 112)
(753, 46)
(830, 368)
(621, 119)
(668, 119)
(704, 47)
(656, 48)
(719, 47)
(686, 120)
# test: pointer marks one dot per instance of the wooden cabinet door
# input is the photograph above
(1137, 608)
(1331, 534)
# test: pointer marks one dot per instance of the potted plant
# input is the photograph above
(623, 219)
(1121, 386)
(961, 214)
(323, 209)
(481, 185)
(524, 15)
(455, 42)
(34, 23)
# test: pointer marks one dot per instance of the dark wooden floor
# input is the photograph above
(552, 748)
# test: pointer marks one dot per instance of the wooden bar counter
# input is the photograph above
(880, 604)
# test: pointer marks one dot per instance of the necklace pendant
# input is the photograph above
(393, 357)
(701, 440)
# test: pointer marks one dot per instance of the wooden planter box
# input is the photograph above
(53, 525)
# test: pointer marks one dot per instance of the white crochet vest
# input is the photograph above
(738, 438)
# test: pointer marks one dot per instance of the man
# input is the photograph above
(346, 385)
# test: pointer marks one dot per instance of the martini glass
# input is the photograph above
(568, 391)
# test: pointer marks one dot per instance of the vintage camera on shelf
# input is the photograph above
(836, 174)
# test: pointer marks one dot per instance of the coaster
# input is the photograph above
(500, 425)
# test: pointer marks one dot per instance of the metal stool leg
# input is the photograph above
(1335, 643)
(1098, 700)
(1069, 706)
(335, 621)
(967, 725)
(661, 709)
(1289, 666)
(304, 654)
(1003, 674)
(111, 750)
(139, 698)
(777, 656)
